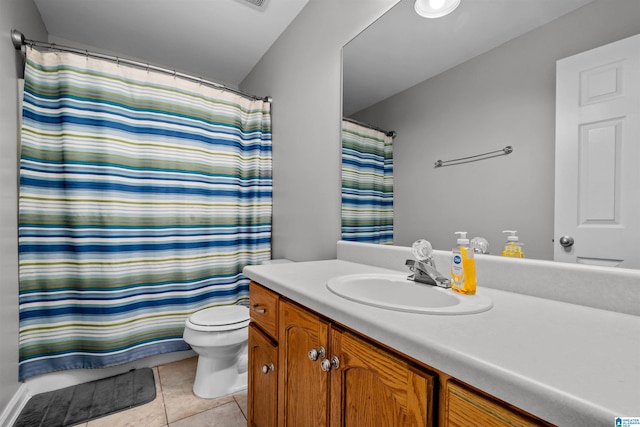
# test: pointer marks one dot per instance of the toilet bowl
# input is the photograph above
(219, 335)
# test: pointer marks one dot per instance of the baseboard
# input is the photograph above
(15, 406)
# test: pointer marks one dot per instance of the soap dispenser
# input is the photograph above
(513, 247)
(463, 267)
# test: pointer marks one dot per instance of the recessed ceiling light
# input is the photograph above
(435, 8)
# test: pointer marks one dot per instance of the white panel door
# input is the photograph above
(597, 196)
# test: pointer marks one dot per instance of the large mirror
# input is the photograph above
(475, 81)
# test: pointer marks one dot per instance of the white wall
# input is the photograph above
(21, 15)
(302, 72)
(504, 97)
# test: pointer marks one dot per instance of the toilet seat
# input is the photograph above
(221, 318)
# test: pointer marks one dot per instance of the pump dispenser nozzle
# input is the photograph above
(462, 238)
(512, 237)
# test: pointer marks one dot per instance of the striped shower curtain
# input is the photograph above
(367, 184)
(142, 197)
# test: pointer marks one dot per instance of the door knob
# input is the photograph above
(267, 368)
(566, 241)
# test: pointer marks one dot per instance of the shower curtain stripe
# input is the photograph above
(367, 184)
(142, 197)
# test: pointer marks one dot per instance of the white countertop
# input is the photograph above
(567, 364)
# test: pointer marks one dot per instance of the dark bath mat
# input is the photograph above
(84, 402)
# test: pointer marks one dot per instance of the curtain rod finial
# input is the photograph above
(17, 38)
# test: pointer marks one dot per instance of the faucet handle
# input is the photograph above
(422, 250)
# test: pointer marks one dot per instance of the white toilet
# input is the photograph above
(219, 335)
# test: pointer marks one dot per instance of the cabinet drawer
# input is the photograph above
(466, 407)
(263, 304)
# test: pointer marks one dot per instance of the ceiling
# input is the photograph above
(219, 40)
(222, 40)
(402, 49)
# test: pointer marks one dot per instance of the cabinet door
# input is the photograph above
(372, 387)
(303, 386)
(263, 380)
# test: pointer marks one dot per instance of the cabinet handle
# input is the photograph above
(258, 310)
(267, 368)
(327, 364)
(315, 353)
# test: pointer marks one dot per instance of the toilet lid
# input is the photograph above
(231, 316)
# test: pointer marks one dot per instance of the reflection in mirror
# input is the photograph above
(475, 81)
(367, 183)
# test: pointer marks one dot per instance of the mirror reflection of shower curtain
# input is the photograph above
(142, 197)
(367, 184)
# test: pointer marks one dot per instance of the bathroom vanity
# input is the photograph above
(312, 368)
(319, 359)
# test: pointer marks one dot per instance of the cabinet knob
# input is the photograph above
(267, 368)
(327, 364)
(257, 309)
(315, 353)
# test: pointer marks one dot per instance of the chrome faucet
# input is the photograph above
(423, 267)
(425, 272)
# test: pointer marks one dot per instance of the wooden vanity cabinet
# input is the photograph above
(305, 370)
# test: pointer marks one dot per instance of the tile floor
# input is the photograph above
(175, 404)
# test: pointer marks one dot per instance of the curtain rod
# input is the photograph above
(19, 40)
(391, 133)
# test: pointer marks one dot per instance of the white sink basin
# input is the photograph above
(395, 292)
